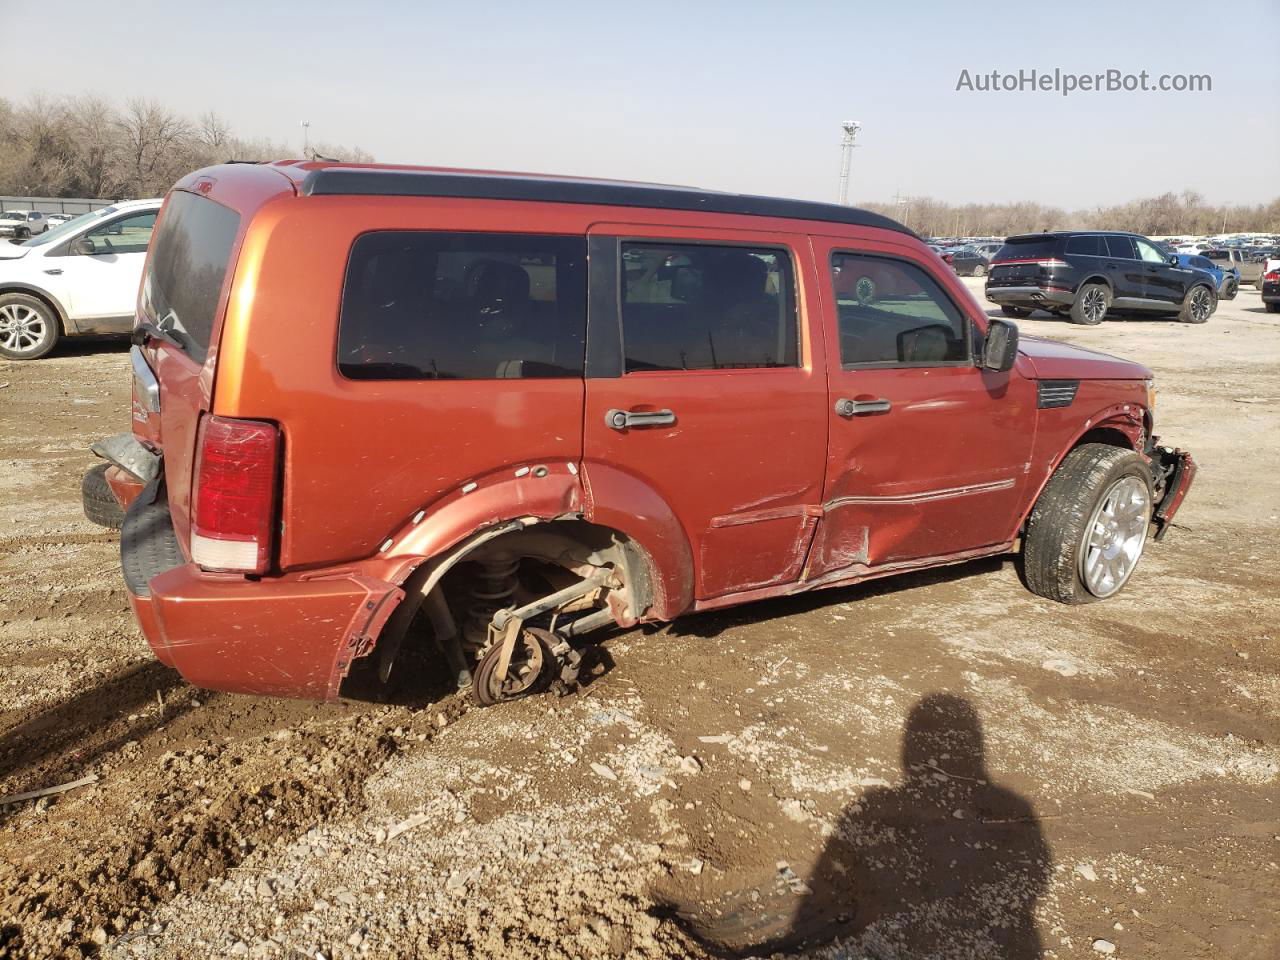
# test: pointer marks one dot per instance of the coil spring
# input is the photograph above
(494, 589)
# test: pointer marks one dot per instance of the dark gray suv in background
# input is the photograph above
(1088, 275)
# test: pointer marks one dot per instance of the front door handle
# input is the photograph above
(851, 408)
(54, 272)
(622, 419)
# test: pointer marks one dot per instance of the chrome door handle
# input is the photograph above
(622, 419)
(850, 408)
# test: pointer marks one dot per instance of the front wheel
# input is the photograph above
(28, 328)
(1087, 531)
(1198, 305)
(1273, 308)
(1092, 303)
(1230, 290)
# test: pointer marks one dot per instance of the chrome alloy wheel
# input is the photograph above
(1115, 536)
(1201, 304)
(22, 329)
(1095, 304)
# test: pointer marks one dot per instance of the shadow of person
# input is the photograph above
(945, 864)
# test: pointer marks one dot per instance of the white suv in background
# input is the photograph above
(81, 277)
(22, 223)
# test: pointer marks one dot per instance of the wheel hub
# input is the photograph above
(22, 329)
(1115, 537)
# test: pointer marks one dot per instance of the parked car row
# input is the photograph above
(21, 224)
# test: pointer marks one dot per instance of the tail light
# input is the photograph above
(233, 520)
(1272, 277)
(1048, 263)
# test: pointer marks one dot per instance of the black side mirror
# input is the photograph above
(83, 246)
(1001, 348)
(1173, 260)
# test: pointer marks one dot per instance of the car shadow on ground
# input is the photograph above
(84, 346)
(713, 623)
(946, 862)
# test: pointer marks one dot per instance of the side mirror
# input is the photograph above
(83, 246)
(1001, 348)
(1173, 260)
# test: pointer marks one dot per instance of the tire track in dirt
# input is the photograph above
(203, 780)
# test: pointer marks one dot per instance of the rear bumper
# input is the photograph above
(291, 636)
(1179, 471)
(1030, 295)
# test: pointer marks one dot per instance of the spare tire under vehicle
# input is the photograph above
(100, 504)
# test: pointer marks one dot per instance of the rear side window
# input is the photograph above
(189, 260)
(1202, 263)
(893, 313)
(463, 306)
(1086, 246)
(1217, 254)
(1122, 248)
(703, 307)
(1028, 248)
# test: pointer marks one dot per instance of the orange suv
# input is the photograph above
(501, 411)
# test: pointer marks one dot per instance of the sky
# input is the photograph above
(744, 96)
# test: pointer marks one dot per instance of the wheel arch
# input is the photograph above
(1096, 278)
(65, 326)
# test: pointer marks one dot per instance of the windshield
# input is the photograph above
(54, 234)
(13, 215)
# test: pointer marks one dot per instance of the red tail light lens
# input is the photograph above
(233, 519)
(1273, 276)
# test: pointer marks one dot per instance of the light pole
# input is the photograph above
(850, 128)
(306, 124)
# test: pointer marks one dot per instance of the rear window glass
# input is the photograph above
(1217, 254)
(1032, 248)
(190, 254)
(1086, 246)
(702, 307)
(463, 306)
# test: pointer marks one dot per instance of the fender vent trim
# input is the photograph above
(1056, 393)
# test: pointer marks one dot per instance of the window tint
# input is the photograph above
(891, 311)
(1202, 263)
(1149, 253)
(696, 307)
(185, 272)
(125, 235)
(463, 306)
(1086, 246)
(1032, 247)
(1121, 247)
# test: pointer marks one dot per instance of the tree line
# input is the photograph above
(88, 147)
(1170, 214)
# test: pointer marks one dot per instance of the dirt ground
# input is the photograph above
(941, 765)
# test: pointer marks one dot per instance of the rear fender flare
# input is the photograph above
(1096, 278)
(626, 503)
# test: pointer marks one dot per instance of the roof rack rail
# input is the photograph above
(354, 181)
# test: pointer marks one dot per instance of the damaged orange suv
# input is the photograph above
(498, 412)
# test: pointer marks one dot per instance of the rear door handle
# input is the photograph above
(622, 419)
(851, 408)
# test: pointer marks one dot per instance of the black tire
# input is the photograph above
(1230, 290)
(1273, 308)
(22, 233)
(1092, 302)
(1054, 543)
(1198, 305)
(1018, 312)
(100, 504)
(28, 327)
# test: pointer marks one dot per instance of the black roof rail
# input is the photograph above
(347, 181)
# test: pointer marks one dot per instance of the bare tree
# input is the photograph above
(156, 147)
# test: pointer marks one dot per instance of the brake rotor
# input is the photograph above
(526, 673)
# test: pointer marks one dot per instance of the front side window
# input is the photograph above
(1149, 253)
(704, 307)
(893, 312)
(420, 305)
(126, 235)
